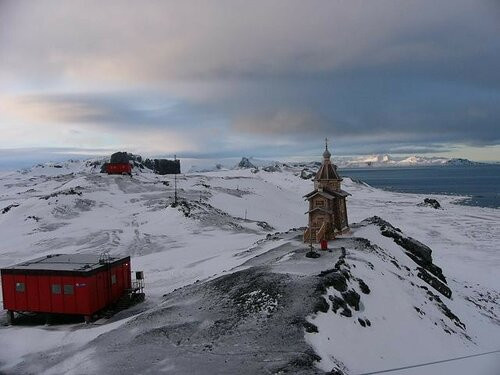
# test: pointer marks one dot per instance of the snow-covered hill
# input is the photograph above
(228, 285)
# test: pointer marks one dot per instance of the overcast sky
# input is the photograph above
(268, 79)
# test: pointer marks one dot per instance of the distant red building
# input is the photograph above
(80, 284)
(119, 168)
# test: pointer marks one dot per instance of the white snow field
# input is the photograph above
(224, 227)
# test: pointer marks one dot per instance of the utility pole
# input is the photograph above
(245, 214)
(175, 184)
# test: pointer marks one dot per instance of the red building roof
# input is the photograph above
(64, 264)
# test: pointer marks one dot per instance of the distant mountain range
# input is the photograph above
(369, 161)
(207, 165)
(386, 160)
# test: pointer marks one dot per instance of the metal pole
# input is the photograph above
(311, 247)
(175, 189)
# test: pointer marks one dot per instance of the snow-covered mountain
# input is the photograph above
(369, 161)
(229, 288)
(391, 161)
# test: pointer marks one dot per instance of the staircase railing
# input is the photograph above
(320, 235)
(307, 234)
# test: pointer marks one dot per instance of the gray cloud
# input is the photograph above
(109, 110)
(239, 75)
(240, 39)
(285, 123)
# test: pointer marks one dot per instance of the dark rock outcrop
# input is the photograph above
(71, 191)
(9, 207)
(352, 298)
(119, 157)
(418, 252)
(310, 328)
(265, 225)
(306, 174)
(321, 305)
(363, 287)
(336, 371)
(332, 278)
(346, 311)
(418, 249)
(337, 303)
(434, 282)
(163, 166)
(245, 163)
(272, 168)
(430, 202)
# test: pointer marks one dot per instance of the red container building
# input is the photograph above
(119, 168)
(80, 284)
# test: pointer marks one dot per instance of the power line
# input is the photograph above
(428, 363)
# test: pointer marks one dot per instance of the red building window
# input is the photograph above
(56, 289)
(68, 289)
(20, 287)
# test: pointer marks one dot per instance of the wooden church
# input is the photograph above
(327, 204)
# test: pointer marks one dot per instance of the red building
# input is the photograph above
(119, 168)
(80, 284)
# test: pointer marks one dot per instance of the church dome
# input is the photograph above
(327, 154)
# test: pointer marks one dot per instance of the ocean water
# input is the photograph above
(479, 183)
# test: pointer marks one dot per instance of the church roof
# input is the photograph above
(327, 171)
(322, 193)
(341, 193)
(320, 209)
(327, 193)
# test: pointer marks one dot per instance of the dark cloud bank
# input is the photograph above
(384, 76)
